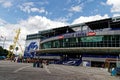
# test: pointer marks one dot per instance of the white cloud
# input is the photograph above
(75, 8)
(37, 23)
(34, 24)
(26, 6)
(2, 22)
(43, 3)
(6, 32)
(103, 3)
(40, 10)
(6, 3)
(30, 26)
(82, 19)
(115, 5)
(29, 7)
(64, 19)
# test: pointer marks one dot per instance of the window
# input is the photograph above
(46, 45)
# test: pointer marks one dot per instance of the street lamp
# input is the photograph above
(4, 42)
(3, 39)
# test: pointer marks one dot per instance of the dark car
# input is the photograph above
(2, 57)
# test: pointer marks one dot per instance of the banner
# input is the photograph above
(92, 39)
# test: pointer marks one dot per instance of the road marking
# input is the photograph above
(63, 69)
(19, 69)
(46, 68)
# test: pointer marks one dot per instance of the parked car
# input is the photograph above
(2, 57)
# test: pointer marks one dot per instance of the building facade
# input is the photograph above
(31, 45)
(90, 43)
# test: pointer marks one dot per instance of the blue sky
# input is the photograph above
(32, 16)
(63, 10)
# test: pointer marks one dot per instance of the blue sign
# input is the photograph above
(30, 49)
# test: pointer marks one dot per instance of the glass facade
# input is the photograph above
(87, 41)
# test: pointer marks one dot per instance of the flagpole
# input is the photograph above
(4, 42)
(1, 37)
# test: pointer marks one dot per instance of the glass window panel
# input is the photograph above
(92, 39)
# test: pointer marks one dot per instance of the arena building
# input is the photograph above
(95, 43)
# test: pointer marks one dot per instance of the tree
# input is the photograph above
(16, 48)
(3, 52)
(11, 47)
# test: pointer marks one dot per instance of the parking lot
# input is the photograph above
(26, 71)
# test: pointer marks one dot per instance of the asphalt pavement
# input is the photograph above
(25, 71)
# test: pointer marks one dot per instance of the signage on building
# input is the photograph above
(77, 34)
(31, 47)
(91, 33)
(61, 37)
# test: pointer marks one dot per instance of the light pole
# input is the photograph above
(4, 42)
(3, 39)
